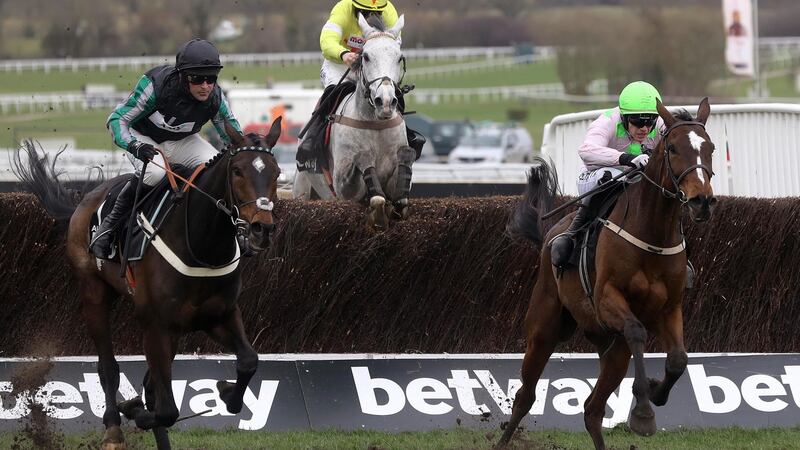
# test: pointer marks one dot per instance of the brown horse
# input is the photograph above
(195, 291)
(636, 291)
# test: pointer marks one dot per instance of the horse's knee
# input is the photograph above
(676, 363)
(635, 332)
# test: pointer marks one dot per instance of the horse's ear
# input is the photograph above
(667, 116)
(395, 30)
(703, 111)
(236, 138)
(366, 28)
(274, 133)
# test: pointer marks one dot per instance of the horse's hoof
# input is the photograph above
(225, 389)
(400, 210)
(113, 439)
(377, 218)
(129, 408)
(643, 420)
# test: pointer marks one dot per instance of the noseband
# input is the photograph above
(676, 181)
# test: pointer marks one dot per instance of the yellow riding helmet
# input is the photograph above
(370, 5)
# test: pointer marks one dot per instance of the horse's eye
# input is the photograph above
(237, 172)
(366, 57)
(671, 148)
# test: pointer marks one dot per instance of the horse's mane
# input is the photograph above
(683, 114)
(376, 21)
(216, 158)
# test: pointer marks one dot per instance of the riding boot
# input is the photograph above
(562, 245)
(416, 141)
(307, 150)
(104, 237)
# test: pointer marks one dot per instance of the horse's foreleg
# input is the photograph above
(405, 158)
(159, 433)
(96, 296)
(231, 335)
(158, 348)
(614, 312)
(613, 367)
(670, 334)
(546, 324)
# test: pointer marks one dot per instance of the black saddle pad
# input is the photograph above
(154, 205)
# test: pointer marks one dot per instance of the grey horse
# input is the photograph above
(371, 156)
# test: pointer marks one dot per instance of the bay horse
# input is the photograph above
(368, 143)
(196, 288)
(636, 290)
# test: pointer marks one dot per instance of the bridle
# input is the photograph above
(368, 83)
(262, 203)
(241, 226)
(676, 180)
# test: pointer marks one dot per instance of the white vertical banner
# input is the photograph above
(738, 19)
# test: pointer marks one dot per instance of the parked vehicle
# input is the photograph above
(494, 144)
(446, 134)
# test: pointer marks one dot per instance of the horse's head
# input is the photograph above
(252, 172)
(687, 152)
(382, 64)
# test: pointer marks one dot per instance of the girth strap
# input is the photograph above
(367, 124)
(640, 243)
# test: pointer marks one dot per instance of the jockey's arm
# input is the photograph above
(339, 23)
(330, 38)
(141, 103)
(594, 151)
(224, 114)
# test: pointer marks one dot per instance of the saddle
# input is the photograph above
(318, 130)
(155, 206)
(583, 254)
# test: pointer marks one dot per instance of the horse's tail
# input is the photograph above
(542, 189)
(38, 175)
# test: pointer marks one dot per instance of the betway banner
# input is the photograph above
(413, 392)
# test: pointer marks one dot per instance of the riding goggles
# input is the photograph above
(200, 79)
(642, 120)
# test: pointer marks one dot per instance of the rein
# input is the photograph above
(241, 226)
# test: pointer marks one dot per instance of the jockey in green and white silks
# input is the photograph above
(614, 141)
(167, 109)
(163, 111)
(341, 39)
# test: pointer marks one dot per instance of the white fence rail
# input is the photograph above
(762, 141)
(138, 62)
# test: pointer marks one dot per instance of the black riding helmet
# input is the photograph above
(198, 57)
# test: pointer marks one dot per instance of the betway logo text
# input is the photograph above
(714, 394)
(62, 400)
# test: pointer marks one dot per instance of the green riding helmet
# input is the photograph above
(638, 97)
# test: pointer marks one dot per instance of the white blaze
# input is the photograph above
(697, 142)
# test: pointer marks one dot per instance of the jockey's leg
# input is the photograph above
(104, 237)
(416, 141)
(563, 244)
(314, 129)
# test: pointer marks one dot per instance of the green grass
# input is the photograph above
(539, 73)
(125, 79)
(619, 438)
(88, 130)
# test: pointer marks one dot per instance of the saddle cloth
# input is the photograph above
(154, 205)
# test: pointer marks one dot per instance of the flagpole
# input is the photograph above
(756, 61)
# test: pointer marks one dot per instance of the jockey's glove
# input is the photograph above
(142, 151)
(635, 161)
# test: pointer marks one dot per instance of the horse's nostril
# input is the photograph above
(394, 102)
(256, 229)
(378, 101)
